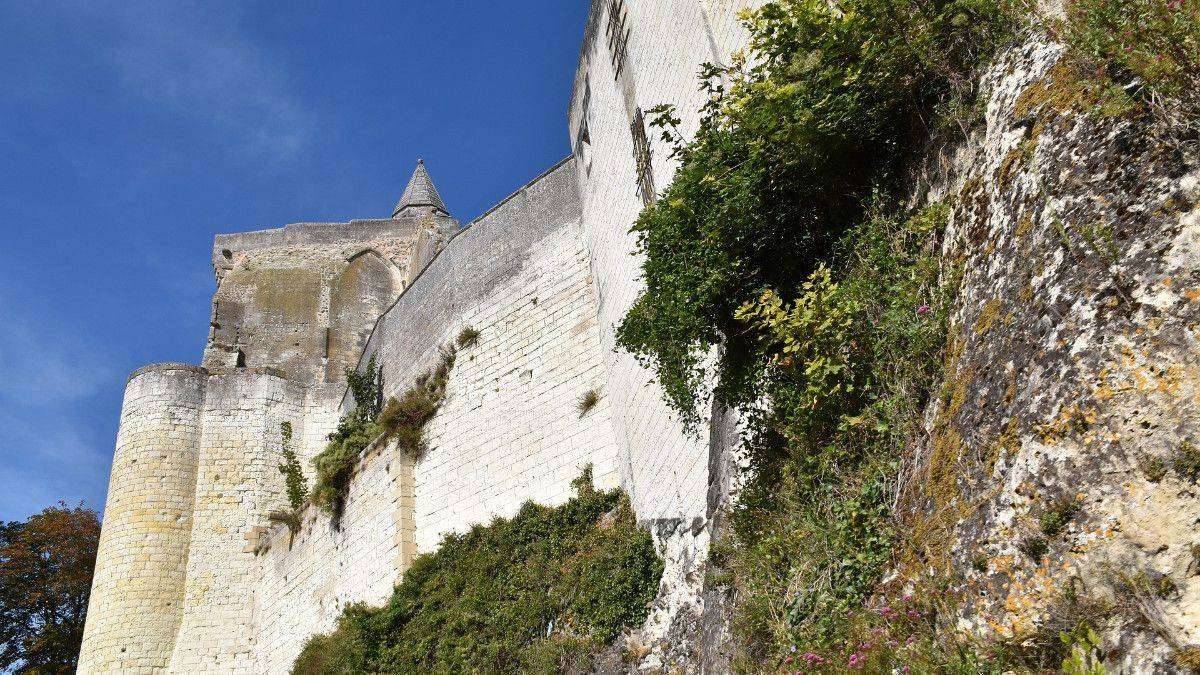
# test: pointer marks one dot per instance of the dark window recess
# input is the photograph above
(583, 141)
(641, 158)
(241, 359)
(618, 34)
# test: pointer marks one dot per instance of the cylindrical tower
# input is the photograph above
(137, 593)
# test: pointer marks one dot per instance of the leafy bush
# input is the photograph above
(785, 160)
(539, 592)
(856, 356)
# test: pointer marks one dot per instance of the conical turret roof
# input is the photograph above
(420, 192)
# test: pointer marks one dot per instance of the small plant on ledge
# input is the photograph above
(293, 475)
(587, 401)
(404, 418)
(468, 337)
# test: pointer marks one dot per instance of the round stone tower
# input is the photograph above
(136, 602)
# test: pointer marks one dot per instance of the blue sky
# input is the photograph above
(132, 131)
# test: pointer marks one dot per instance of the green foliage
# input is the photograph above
(1056, 516)
(1153, 467)
(838, 99)
(856, 356)
(540, 592)
(1064, 640)
(46, 565)
(1186, 461)
(293, 473)
(1153, 45)
(467, 337)
(402, 420)
(1034, 546)
(367, 389)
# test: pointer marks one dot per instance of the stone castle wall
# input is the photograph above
(303, 298)
(508, 431)
(194, 478)
(137, 596)
(665, 469)
(237, 485)
(545, 277)
(304, 581)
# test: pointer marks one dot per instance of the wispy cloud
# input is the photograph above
(49, 379)
(43, 364)
(197, 62)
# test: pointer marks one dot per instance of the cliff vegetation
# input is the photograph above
(791, 245)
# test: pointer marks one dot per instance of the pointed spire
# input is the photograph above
(420, 192)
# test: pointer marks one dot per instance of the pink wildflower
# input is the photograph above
(923, 310)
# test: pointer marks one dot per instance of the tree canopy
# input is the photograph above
(46, 565)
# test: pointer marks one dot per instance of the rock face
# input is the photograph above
(1060, 464)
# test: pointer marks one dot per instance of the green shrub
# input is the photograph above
(1057, 515)
(540, 592)
(1153, 467)
(1186, 461)
(1149, 46)
(1034, 546)
(841, 97)
(402, 419)
(856, 356)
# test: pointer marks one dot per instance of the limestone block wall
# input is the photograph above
(303, 298)
(664, 469)
(510, 429)
(237, 485)
(137, 599)
(305, 581)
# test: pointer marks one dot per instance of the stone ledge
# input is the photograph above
(163, 367)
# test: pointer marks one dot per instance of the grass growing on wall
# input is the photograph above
(402, 419)
(540, 592)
